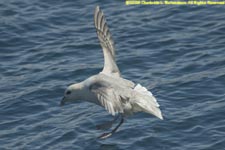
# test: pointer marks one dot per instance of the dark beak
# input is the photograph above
(62, 102)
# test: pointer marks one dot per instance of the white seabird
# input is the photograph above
(119, 96)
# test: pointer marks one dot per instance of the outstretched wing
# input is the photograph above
(106, 42)
(107, 98)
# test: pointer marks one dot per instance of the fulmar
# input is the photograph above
(119, 96)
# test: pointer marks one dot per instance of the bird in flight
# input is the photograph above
(119, 96)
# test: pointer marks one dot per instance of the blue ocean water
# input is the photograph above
(177, 52)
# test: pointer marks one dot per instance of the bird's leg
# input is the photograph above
(106, 135)
(107, 125)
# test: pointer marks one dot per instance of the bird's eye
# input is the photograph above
(68, 92)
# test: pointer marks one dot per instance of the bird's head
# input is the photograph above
(72, 93)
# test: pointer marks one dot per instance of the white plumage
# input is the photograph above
(108, 89)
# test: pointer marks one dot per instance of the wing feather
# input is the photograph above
(107, 98)
(106, 43)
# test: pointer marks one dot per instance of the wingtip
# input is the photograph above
(97, 8)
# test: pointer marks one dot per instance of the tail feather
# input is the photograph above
(144, 91)
(146, 101)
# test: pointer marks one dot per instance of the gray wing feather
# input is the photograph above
(107, 98)
(106, 43)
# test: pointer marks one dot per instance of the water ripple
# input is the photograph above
(177, 52)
